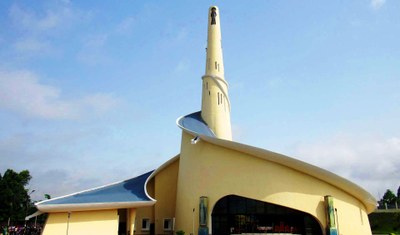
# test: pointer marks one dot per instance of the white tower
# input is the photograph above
(215, 107)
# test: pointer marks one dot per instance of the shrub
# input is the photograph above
(180, 232)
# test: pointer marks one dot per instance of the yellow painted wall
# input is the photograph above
(165, 194)
(150, 188)
(143, 213)
(214, 171)
(82, 223)
(215, 109)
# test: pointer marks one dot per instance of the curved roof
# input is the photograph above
(132, 192)
(194, 124)
(191, 125)
(124, 194)
(159, 169)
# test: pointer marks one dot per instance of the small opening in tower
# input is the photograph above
(216, 64)
(213, 15)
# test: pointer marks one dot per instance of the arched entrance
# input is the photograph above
(238, 215)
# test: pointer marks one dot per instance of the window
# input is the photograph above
(167, 224)
(232, 212)
(145, 224)
(220, 98)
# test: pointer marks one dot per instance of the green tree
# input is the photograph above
(14, 197)
(398, 198)
(389, 197)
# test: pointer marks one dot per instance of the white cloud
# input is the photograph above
(99, 103)
(181, 66)
(37, 29)
(31, 45)
(67, 182)
(376, 4)
(126, 25)
(64, 161)
(36, 23)
(371, 162)
(96, 41)
(182, 34)
(22, 92)
(93, 52)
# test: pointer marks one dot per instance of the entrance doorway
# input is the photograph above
(238, 215)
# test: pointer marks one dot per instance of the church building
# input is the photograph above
(216, 185)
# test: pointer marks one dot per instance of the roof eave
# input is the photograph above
(92, 206)
(351, 188)
(347, 186)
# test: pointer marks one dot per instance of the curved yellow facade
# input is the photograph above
(210, 170)
(183, 193)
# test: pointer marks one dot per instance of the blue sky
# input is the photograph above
(90, 90)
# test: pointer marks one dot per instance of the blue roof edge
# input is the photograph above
(127, 193)
(194, 124)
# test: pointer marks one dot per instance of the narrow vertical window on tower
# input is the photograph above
(213, 15)
(216, 64)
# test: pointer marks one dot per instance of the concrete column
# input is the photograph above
(131, 220)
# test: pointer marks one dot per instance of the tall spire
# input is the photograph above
(215, 108)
